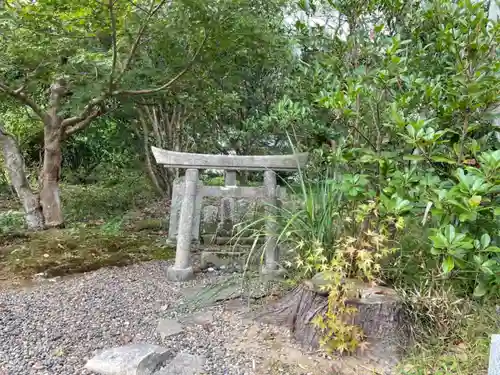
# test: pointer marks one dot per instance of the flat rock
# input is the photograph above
(200, 318)
(169, 327)
(133, 359)
(494, 364)
(184, 364)
(224, 291)
(221, 259)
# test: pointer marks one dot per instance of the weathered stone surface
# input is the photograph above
(186, 220)
(271, 246)
(180, 274)
(252, 192)
(184, 364)
(230, 162)
(218, 259)
(175, 211)
(223, 291)
(226, 216)
(169, 327)
(230, 178)
(210, 219)
(133, 359)
(494, 365)
(200, 318)
(227, 208)
(188, 223)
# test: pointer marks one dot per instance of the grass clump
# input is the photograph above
(461, 348)
(11, 221)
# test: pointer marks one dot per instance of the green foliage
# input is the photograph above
(106, 147)
(106, 228)
(11, 221)
(452, 333)
(106, 199)
(406, 95)
(394, 102)
(422, 134)
(312, 227)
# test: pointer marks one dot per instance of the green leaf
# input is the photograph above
(487, 266)
(442, 159)
(493, 249)
(413, 157)
(439, 241)
(480, 290)
(450, 233)
(475, 200)
(448, 264)
(485, 240)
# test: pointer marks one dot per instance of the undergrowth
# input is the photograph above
(453, 336)
(61, 252)
(108, 224)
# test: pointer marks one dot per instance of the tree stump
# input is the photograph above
(380, 315)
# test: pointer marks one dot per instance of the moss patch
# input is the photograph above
(116, 222)
(60, 252)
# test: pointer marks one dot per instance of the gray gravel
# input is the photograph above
(54, 328)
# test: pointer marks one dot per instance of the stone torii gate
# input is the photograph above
(194, 191)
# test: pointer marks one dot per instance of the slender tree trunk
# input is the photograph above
(50, 174)
(165, 126)
(14, 163)
(150, 167)
(50, 197)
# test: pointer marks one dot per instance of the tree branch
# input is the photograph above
(113, 44)
(152, 11)
(87, 112)
(69, 130)
(21, 96)
(58, 90)
(169, 83)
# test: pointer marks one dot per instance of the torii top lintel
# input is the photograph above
(291, 162)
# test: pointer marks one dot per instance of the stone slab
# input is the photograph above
(199, 318)
(132, 359)
(221, 259)
(176, 159)
(180, 274)
(211, 239)
(494, 364)
(184, 364)
(169, 327)
(249, 192)
(224, 291)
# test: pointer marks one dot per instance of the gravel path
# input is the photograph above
(54, 328)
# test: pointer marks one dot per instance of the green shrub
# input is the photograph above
(11, 221)
(106, 199)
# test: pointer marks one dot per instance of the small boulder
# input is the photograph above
(133, 359)
(169, 327)
(184, 364)
(202, 318)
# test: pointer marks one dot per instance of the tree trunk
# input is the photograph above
(165, 126)
(50, 197)
(150, 167)
(14, 164)
(50, 174)
(380, 315)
